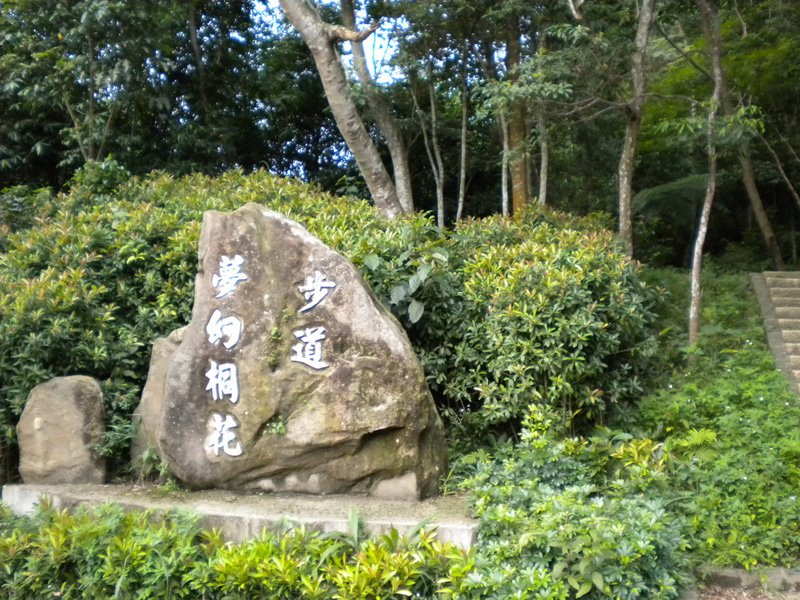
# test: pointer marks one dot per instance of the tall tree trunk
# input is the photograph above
(517, 130)
(760, 213)
(90, 115)
(749, 181)
(489, 66)
(462, 166)
(198, 57)
(504, 197)
(432, 147)
(544, 160)
(388, 125)
(320, 38)
(437, 153)
(633, 112)
(709, 17)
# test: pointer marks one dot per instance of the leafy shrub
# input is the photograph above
(99, 177)
(109, 553)
(19, 206)
(739, 485)
(730, 428)
(502, 314)
(555, 316)
(563, 518)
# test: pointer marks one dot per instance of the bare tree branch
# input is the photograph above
(339, 32)
(741, 19)
(788, 145)
(781, 170)
(682, 52)
(78, 129)
(112, 115)
(575, 7)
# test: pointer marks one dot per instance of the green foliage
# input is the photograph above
(98, 178)
(112, 554)
(565, 518)
(19, 206)
(733, 425)
(551, 314)
(502, 314)
(728, 425)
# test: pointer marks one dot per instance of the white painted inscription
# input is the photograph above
(228, 329)
(309, 350)
(315, 290)
(222, 381)
(222, 436)
(230, 275)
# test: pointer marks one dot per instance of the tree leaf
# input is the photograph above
(558, 569)
(414, 283)
(597, 579)
(372, 261)
(415, 310)
(585, 589)
(398, 294)
(423, 272)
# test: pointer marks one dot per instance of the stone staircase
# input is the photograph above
(778, 294)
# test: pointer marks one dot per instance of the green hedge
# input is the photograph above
(112, 554)
(583, 551)
(503, 314)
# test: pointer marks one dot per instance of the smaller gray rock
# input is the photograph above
(59, 430)
(146, 417)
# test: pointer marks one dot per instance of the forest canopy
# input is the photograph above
(471, 108)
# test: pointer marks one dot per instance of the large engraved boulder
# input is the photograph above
(291, 376)
(60, 430)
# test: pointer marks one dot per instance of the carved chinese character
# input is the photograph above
(229, 275)
(222, 435)
(222, 381)
(315, 290)
(228, 328)
(309, 350)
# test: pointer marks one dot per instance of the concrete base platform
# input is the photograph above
(241, 516)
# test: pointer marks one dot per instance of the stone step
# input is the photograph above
(783, 283)
(792, 349)
(791, 336)
(788, 312)
(241, 516)
(782, 289)
(794, 361)
(782, 274)
(789, 324)
(792, 299)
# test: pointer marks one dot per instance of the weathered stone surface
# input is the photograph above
(60, 427)
(291, 376)
(147, 416)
